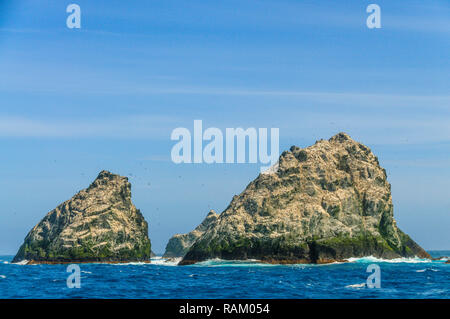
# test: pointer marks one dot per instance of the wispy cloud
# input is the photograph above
(145, 127)
(434, 100)
(295, 125)
(362, 99)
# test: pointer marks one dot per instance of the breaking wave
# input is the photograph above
(372, 259)
(234, 263)
(160, 261)
(134, 263)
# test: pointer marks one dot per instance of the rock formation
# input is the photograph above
(99, 224)
(179, 244)
(320, 204)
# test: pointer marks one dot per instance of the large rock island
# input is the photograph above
(180, 244)
(99, 224)
(324, 203)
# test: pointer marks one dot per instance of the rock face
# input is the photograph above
(99, 224)
(320, 204)
(179, 244)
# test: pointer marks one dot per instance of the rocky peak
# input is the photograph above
(100, 223)
(328, 201)
(340, 138)
(108, 180)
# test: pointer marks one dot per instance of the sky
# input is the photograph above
(108, 95)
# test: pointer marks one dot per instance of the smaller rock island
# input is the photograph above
(99, 224)
(179, 244)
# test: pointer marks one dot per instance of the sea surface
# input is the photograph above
(399, 278)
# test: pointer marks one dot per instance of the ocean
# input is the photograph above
(399, 278)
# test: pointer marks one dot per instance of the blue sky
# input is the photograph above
(107, 96)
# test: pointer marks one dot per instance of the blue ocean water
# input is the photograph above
(402, 278)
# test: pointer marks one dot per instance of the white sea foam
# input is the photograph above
(22, 262)
(233, 263)
(126, 264)
(257, 263)
(2, 276)
(357, 286)
(372, 259)
(160, 261)
(427, 269)
(253, 263)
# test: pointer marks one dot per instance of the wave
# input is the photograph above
(160, 261)
(427, 269)
(357, 286)
(2, 276)
(258, 263)
(372, 259)
(133, 263)
(234, 263)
